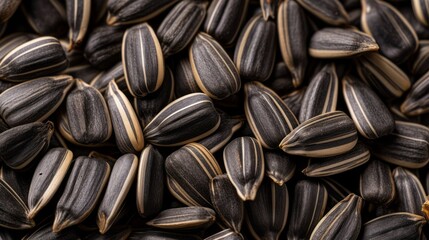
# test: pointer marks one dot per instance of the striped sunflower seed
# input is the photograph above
(293, 36)
(184, 78)
(421, 11)
(244, 163)
(213, 70)
(269, 8)
(85, 71)
(321, 95)
(89, 118)
(323, 167)
(47, 178)
(19, 183)
(184, 218)
(266, 216)
(84, 187)
(281, 81)
(7, 9)
(142, 59)
(180, 26)
(255, 51)
(420, 62)
(224, 20)
(345, 213)
(279, 166)
(33, 100)
(376, 183)
(371, 117)
(170, 126)
(226, 234)
(128, 133)
(293, 100)
(325, 135)
(309, 204)
(13, 40)
(78, 16)
(150, 182)
(407, 146)
(396, 37)
(409, 191)
(417, 100)
(394, 226)
(116, 73)
(336, 191)
(120, 181)
(190, 171)
(421, 30)
(382, 75)
(226, 202)
(38, 57)
(135, 11)
(269, 117)
(340, 43)
(21, 145)
(331, 12)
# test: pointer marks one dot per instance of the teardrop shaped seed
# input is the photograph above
(376, 183)
(78, 16)
(128, 133)
(120, 181)
(226, 234)
(340, 43)
(226, 202)
(35, 100)
(293, 37)
(185, 82)
(21, 145)
(84, 187)
(325, 135)
(184, 218)
(7, 9)
(101, 81)
(269, 117)
(88, 115)
(190, 170)
(410, 193)
(255, 51)
(279, 166)
(321, 95)
(244, 163)
(47, 178)
(345, 213)
(38, 57)
(396, 37)
(142, 60)
(370, 115)
(309, 204)
(417, 100)
(329, 11)
(170, 126)
(150, 182)
(266, 216)
(213, 70)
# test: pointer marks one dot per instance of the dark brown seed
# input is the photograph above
(417, 100)
(269, 8)
(421, 30)
(11, 41)
(420, 62)
(184, 218)
(7, 9)
(294, 99)
(336, 191)
(101, 81)
(376, 183)
(330, 11)
(409, 191)
(226, 234)
(78, 16)
(279, 166)
(421, 11)
(185, 82)
(44, 231)
(281, 81)
(86, 72)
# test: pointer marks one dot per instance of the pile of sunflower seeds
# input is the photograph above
(221, 119)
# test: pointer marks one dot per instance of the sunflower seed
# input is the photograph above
(371, 117)
(150, 182)
(78, 16)
(268, 116)
(7, 9)
(269, 8)
(340, 43)
(226, 234)
(279, 166)
(376, 183)
(45, 232)
(213, 70)
(383, 75)
(293, 35)
(394, 226)
(256, 49)
(244, 163)
(420, 63)
(396, 37)
(180, 26)
(421, 30)
(321, 95)
(281, 81)
(325, 135)
(331, 12)
(347, 212)
(21, 145)
(85, 71)
(132, 11)
(11, 41)
(323, 167)
(407, 146)
(421, 11)
(293, 100)
(128, 133)
(84, 187)
(184, 218)
(38, 57)
(308, 207)
(101, 81)
(336, 191)
(226, 202)
(190, 170)
(224, 20)
(170, 126)
(184, 79)
(267, 215)
(120, 181)
(47, 178)
(416, 102)
(143, 62)
(409, 191)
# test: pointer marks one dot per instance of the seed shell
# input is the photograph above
(185, 82)
(410, 192)
(226, 234)
(13, 40)
(7, 9)
(417, 100)
(279, 166)
(331, 12)
(78, 16)
(184, 218)
(376, 183)
(101, 81)
(46, 17)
